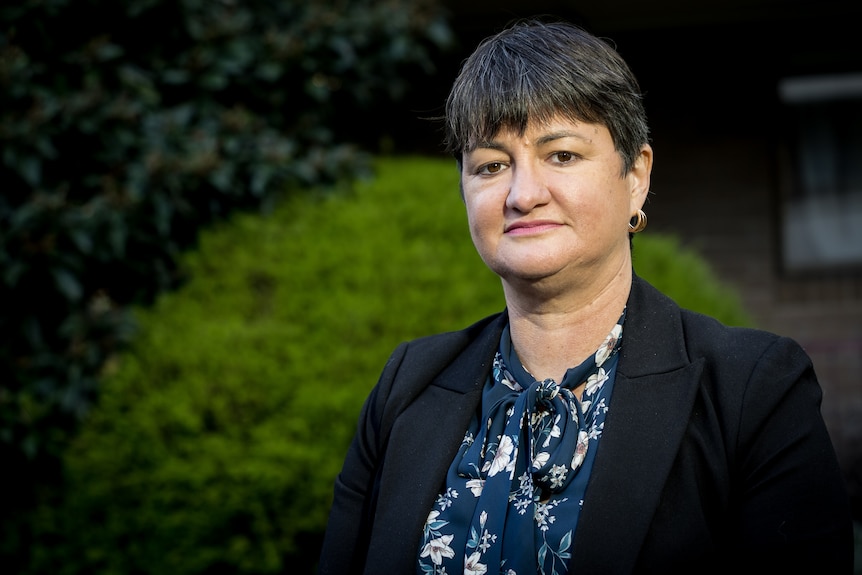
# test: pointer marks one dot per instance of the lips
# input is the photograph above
(532, 227)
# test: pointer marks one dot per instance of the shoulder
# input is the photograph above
(414, 364)
(657, 319)
(741, 347)
(428, 355)
(707, 333)
(666, 337)
(740, 379)
(441, 342)
(753, 374)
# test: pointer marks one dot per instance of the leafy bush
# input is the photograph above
(126, 126)
(686, 276)
(219, 434)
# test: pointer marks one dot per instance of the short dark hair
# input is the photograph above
(535, 70)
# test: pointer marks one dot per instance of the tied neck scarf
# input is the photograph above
(513, 492)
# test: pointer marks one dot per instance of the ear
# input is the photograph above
(639, 178)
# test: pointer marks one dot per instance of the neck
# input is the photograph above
(550, 335)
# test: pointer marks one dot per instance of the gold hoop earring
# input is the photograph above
(640, 221)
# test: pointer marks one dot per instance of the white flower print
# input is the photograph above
(604, 352)
(602, 406)
(543, 516)
(475, 486)
(511, 384)
(487, 541)
(432, 517)
(521, 504)
(580, 449)
(444, 500)
(438, 548)
(468, 438)
(525, 483)
(523, 496)
(472, 566)
(504, 459)
(595, 381)
(558, 475)
(596, 430)
(503, 376)
(555, 431)
(573, 411)
(541, 459)
(543, 520)
(487, 538)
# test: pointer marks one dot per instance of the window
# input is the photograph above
(821, 208)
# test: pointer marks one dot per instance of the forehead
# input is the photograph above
(537, 133)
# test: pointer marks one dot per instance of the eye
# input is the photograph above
(491, 168)
(563, 157)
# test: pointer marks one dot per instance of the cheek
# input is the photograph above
(609, 196)
(482, 220)
(475, 221)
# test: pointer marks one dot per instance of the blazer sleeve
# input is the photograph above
(792, 511)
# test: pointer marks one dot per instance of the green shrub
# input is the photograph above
(683, 274)
(219, 434)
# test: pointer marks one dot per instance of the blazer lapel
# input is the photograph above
(653, 395)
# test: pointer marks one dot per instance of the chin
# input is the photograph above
(528, 274)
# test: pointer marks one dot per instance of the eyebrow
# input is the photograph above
(562, 134)
(542, 140)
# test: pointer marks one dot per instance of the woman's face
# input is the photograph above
(552, 203)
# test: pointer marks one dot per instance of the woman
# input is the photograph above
(593, 426)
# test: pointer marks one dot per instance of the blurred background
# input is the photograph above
(218, 218)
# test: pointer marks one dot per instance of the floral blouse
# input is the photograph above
(515, 489)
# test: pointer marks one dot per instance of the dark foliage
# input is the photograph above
(126, 127)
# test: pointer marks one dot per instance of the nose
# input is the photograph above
(527, 189)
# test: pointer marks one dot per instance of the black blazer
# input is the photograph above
(714, 456)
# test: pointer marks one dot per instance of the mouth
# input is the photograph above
(529, 228)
